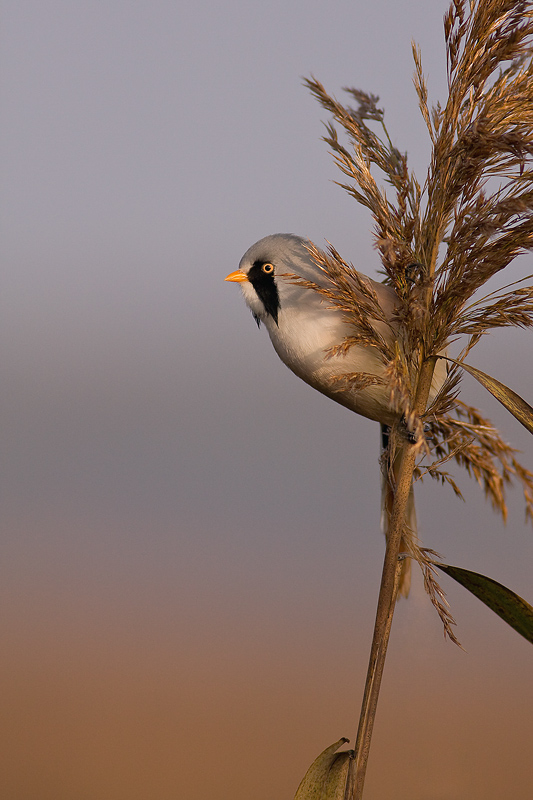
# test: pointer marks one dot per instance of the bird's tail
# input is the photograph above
(389, 479)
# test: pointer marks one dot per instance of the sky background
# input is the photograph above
(190, 545)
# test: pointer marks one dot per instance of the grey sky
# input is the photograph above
(160, 464)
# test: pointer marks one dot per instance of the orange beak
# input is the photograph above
(237, 277)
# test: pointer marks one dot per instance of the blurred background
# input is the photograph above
(190, 544)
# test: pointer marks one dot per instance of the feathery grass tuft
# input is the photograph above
(441, 242)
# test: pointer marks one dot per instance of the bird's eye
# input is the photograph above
(268, 269)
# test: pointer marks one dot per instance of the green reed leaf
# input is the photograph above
(512, 608)
(511, 400)
(327, 776)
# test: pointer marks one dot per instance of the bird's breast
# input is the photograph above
(302, 342)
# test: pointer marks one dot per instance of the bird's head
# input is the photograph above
(261, 275)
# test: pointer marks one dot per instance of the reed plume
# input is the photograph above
(441, 241)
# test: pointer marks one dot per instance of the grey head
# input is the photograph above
(263, 270)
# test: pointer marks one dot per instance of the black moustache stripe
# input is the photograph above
(266, 289)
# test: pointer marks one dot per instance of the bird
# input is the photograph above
(303, 327)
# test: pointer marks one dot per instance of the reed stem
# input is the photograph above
(387, 597)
